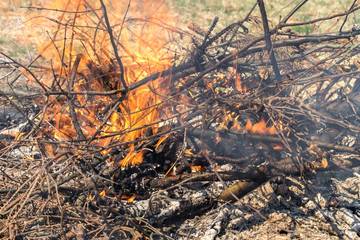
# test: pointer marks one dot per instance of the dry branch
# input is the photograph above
(267, 37)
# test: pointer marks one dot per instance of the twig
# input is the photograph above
(267, 37)
(73, 116)
(320, 19)
(26, 68)
(189, 69)
(241, 24)
(201, 49)
(59, 10)
(347, 14)
(293, 12)
(122, 24)
(109, 29)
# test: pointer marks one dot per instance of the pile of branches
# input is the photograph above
(306, 86)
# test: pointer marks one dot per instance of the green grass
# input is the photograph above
(21, 51)
(303, 29)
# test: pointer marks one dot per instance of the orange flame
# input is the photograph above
(278, 147)
(188, 151)
(103, 193)
(161, 140)
(248, 126)
(132, 158)
(79, 31)
(260, 127)
(196, 168)
(127, 198)
(238, 84)
(236, 125)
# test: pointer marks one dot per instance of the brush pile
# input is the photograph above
(133, 128)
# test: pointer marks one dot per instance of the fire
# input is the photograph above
(238, 84)
(278, 147)
(103, 193)
(196, 168)
(229, 118)
(133, 157)
(82, 63)
(127, 198)
(188, 151)
(260, 127)
(236, 125)
(161, 140)
(82, 59)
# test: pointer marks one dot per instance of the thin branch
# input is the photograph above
(109, 29)
(347, 14)
(293, 12)
(59, 10)
(122, 24)
(73, 116)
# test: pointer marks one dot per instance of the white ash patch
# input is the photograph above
(325, 208)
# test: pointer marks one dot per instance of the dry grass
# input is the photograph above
(202, 12)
